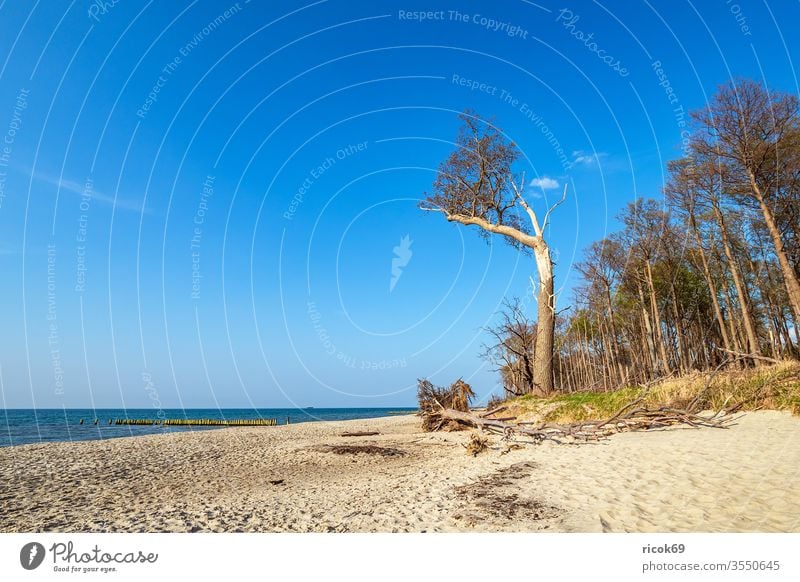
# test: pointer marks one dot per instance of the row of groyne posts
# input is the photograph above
(191, 422)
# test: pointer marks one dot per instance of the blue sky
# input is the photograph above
(200, 202)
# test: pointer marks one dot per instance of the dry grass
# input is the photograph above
(766, 387)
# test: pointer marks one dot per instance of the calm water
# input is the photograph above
(22, 427)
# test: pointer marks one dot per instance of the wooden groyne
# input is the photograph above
(195, 422)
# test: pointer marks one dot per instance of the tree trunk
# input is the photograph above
(543, 356)
(712, 289)
(683, 356)
(638, 338)
(734, 326)
(649, 329)
(616, 350)
(787, 337)
(546, 325)
(657, 319)
(608, 366)
(789, 276)
(744, 300)
(772, 310)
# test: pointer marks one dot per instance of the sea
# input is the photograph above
(28, 426)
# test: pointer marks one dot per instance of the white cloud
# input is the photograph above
(544, 183)
(74, 187)
(582, 158)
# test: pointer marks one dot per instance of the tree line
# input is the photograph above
(705, 275)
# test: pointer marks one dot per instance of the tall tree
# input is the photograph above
(476, 186)
(710, 178)
(681, 192)
(602, 266)
(645, 222)
(754, 132)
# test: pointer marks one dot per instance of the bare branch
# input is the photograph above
(553, 207)
(754, 356)
(518, 196)
(519, 236)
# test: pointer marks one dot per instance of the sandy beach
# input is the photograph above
(304, 478)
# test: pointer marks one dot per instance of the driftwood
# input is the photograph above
(448, 409)
(433, 398)
(741, 356)
(631, 417)
(588, 430)
(477, 444)
(359, 433)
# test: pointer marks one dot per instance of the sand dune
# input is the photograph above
(294, 478)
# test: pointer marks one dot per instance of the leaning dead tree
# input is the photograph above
(476, 186)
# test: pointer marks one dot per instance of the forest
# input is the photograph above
(701, 276)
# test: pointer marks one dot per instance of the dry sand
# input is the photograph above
(288, 478)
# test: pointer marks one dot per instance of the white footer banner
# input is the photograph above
(356, 557)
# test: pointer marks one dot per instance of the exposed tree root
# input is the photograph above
(631, 418)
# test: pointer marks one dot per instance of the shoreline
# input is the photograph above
(169, 430)
(77, 424)
(306, 477)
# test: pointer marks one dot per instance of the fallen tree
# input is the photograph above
(587, 430)
(434, 398)
(633, 416)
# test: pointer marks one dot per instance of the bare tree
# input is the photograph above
(716, 275)
(645, 222)
(601, 267)
(681, 192)
(754, 133)
(678, 288)
(513, 349)
(709, 178)
(476, 186)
